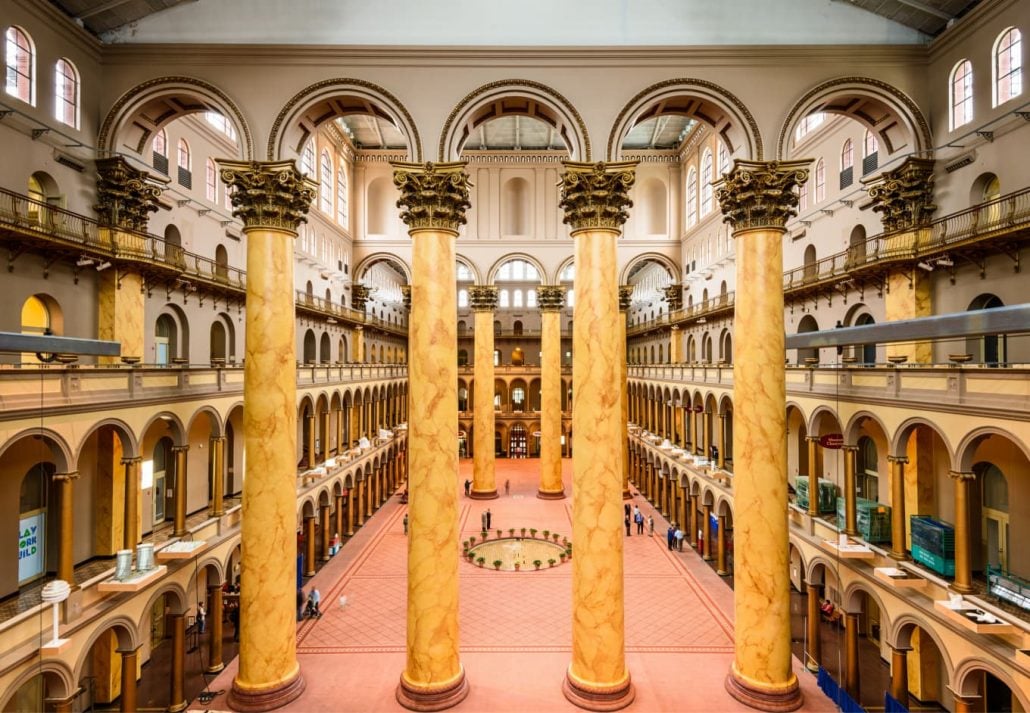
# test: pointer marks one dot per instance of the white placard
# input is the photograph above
(31, 533)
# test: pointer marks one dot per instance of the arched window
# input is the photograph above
(35, 319)
(463, 298)
(691, 197)
(221, 262)
(531, 298)
(66, 91)
(516, 298)
(325, 188)
(803, 196)
(20, 59)
(159, 148)
(870, 152)
(570, 299)
(185, 177)
(847, 163)
(307, 159)
(808, 124)
(820, 181)
(341, 195)
(166, 337)
(706, 183)
(221, 123)
(961, 93)
(210, 181)
(867, 459)
(503, 300)
(1008, 66)
(464, 274)
(724, 159)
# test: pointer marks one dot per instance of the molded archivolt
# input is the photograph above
(491, 278)
(697, 99)
(887, 111)
(330, 99)
(143, 110)
(395, 262)
(514, 97)
(662, 260)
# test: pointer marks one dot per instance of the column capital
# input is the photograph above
(811, 439)
(214, 439)
(961, 475)
(434, 196)
(904, 195)
(760, 194)
(132, 460)
(551, 298)
(483, 298)
(406, 296)
(268, 194)
(849, 448)
(66, 477)
(625, 297)
(180, 449)
(596, 195)
(674, 296)
(126, 196)
(360, 295)
(903, 460)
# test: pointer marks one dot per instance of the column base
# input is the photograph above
(900, 556)
(961, 588)
(214, 669)
(598, 698)
(551, 494)
(484, 494)
(722, 573)
(266, 699)
(431, 698)
(175, 708)
(778, 699)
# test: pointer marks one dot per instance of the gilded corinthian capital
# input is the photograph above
(434, 196)
(551, 298)
(904, 195)
(596, 195)
(760, 194)
(268, 194)
(625, 297)
(126, 196)
(483, 298)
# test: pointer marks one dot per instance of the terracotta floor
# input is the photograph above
(516, 627)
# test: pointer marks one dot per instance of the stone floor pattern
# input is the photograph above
(516, 626)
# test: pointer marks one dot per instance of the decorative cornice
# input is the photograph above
(760, 194)
(342, 83)
(625, 297)
(434, 196)
(104, 137)
(126, 196)
(550, 298)
(360, 295)
(270, 194)
(596, 195)
(904, 195)
(483, 298)
(674, 296)
(514, 85)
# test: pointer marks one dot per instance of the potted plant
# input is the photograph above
(563, 556)
(517, 565)
(547, 534)
(552, 561)
(511, 532)
(500, 534)
(472, 540)
(471, 555)
(537, 563)
(532, 531)
(523, 532)
(480, 561)
(568, 550)
(497, 564)
(484, 535)
(555, 536)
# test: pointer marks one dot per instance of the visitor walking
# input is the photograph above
(489, 518)
(405, 523)
(507, 486)
(679, 539)
(468, 487)
(626, 510)
(201, 617)
(670, 535)
(650, 525)
(482, 520)
(627, 521)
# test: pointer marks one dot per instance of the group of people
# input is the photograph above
(311, 607)
(468, 487)
(487, 519)
(638, 518)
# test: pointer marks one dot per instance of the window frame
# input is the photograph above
(1014, 75)
(691, 197)
(182, 148)
(62, 80)
(820, 181)
(707, 166)
(326, 187)
(962, 73)
(210, 180)
(11, 64)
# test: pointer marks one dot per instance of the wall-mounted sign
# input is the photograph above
(31, 532)
(833, 441)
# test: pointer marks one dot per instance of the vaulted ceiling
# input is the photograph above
(99, 16)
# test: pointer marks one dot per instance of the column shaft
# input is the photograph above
(351, 496)
(127, 703)
(852, 684)
(323, 512)
(65, 557)
(693, 521)
(361, 501)
(850, 492)
(963, 556)
(312, 457)
(706, 526)
(325, 435)
(131, 529)
(899, 675)
(214, 617)
(309, 546)
(720, 560)
(815, 656)
(339, 524)
(218, 476)
(897, 467)
(179, 494)
(178, 700)
(483, 483)
(813, 476)
(551, 485)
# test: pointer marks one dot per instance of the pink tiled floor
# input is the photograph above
(516, 626)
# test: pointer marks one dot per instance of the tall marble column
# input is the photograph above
(179, 490)
(309, 545)
(218, 476)
(214, 615)
(132, 528)
(899, 675)
(66, 526)
(433, 202)
(852, 682)
(483, 300)
(963, 556)
(177, 678)
(130, 664)
(272, 199)
(325, 534)
(551, 299)
(814, 616)
(897, 468)
(813, 476)
(850, 493)
(625, 295)
(351, 497)
(757, 198)
(706, 528)
(595, 200)
(309, 446)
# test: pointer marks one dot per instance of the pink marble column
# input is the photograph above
(757, 199)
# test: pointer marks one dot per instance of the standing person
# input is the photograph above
(482, 521)
(234, 617)
(468, 487)
(201, 617)
(627, 521)
(669, 536)
(488, 518)
(316, 600)
(405, 523)
(650, 525)
(679, 539)
(636, 511)
(639, 519)
(625, 509)
(507, 486)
